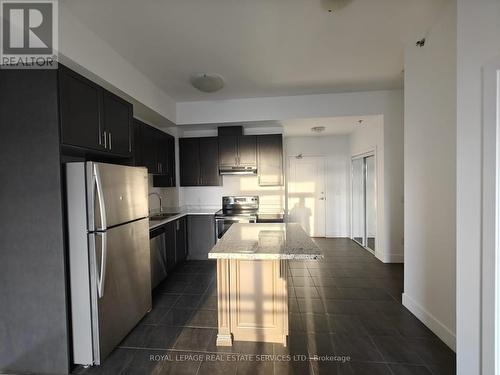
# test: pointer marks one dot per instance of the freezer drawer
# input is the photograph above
(126, 293)
(119, 276)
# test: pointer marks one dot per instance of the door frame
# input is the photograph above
(288, 179)
(368, 153)
(490, 249)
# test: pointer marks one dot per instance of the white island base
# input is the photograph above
(252, 298)
(252, 290)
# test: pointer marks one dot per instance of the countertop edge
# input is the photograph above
(158, 223)
(243, 256)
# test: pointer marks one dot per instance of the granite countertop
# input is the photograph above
(180, 213)
(266, 242)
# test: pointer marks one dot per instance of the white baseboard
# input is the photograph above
(443, 332)
(390, 258)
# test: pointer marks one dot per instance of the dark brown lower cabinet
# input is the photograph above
(170, 237)
(201, 236)
(180, 240)
(175, 242)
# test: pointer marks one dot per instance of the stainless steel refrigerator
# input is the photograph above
(109, 259)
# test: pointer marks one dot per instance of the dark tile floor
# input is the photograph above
(347, 305)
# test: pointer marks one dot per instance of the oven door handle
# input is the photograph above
(237, 219)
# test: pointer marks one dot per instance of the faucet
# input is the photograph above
(159, 198)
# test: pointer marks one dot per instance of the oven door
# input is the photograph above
(222, 224)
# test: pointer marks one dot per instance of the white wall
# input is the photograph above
(80, 47)
(478, 42)
(430, 177)
(335, 149)
(388, 103)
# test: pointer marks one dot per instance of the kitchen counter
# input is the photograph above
(178, 214)
(252, 281)
(266, 242)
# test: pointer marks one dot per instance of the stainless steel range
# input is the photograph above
(236, 209)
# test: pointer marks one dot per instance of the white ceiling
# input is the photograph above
(261, 47)
(333, 125)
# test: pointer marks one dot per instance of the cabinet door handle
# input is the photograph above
(110, 147)
(105, 139)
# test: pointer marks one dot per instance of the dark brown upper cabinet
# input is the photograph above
(238, 150)
(189, 159)
(270, 159)
(93, 118)
(80, 111)
(209, 162)
(155, 150)
(228, 150)
(117, 120)
(247, 150)
(199, 161)
(166, 159)
(148, 146)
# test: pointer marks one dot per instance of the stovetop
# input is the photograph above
(245, 206)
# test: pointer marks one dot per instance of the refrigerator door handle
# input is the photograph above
(100, 196)
(102, 274)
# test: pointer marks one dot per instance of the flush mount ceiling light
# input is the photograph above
(207, 82)
(334, 5)
(318, 129)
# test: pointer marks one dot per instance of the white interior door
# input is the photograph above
(306, 194)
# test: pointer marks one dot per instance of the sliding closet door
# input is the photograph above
(358, 201)
(364, 201)
(370, 202)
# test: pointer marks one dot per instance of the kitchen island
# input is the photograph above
(252, 290)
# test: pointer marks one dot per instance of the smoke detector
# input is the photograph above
(318, 129)
(207, 82)
(334, 5)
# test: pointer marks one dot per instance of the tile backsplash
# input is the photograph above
(272, 198)
(169, 197)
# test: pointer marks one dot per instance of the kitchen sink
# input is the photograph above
(162, 216)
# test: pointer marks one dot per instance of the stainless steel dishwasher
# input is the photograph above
(158, 250)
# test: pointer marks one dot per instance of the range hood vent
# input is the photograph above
(238, 170)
